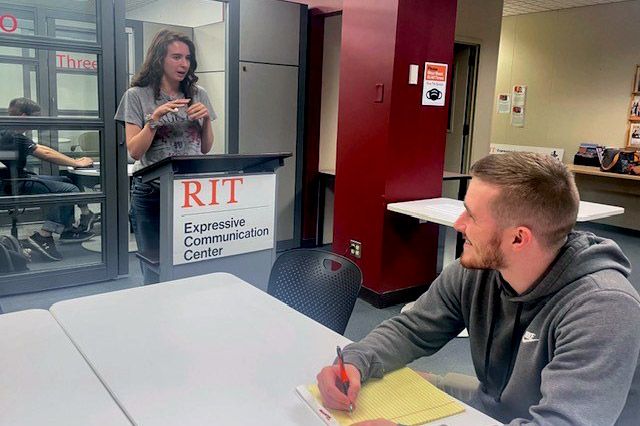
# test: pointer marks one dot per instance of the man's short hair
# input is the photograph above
(19, 106)
(536, 191)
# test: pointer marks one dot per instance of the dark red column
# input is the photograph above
(392, 150)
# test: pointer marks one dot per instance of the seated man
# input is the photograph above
(554, 324)
(18, 181)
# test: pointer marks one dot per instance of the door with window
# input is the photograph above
(58, 204)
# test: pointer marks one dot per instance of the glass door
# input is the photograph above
(58, 193)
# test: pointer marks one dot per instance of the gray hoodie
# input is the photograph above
(566, 352)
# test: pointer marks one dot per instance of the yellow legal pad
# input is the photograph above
(402, 397)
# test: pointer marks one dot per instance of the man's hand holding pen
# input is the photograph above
(330, 386)
(340, 393)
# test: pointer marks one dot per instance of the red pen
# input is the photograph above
(343, 376)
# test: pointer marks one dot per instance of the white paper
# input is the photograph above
(634, 134)
(519, 95)
(504, 103)
(324, 414)
(517, 116)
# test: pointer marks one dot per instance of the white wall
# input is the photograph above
(185, 13)
(149, 29)
(578, 65)
(211, 54)
(479, 22)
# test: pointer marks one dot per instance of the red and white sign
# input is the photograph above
(8, 23)
(434, 88)
(222, 216)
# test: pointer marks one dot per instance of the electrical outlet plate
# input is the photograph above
(355, 249)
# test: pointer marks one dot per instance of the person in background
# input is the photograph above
(552, 318)
(18, 181)
(165, 114)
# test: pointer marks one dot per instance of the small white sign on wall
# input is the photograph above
(517, 116)
(222, 216)
(518, 106)
(497, 148)
(434, 87)
(504, 103)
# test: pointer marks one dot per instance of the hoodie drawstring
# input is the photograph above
(494, 319)
(512, 348)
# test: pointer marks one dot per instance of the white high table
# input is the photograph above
(45, 380)
(445, 211)
(206, 350)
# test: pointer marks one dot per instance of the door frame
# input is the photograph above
(103, 48)
(470, 107)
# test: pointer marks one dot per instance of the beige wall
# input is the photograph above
(330, 88)
(478, 22)
(578, 65)
(329, 112)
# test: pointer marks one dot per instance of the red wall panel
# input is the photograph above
(393, 150)
(367, 55)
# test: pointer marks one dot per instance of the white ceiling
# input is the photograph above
(519, 7)
(511, 7)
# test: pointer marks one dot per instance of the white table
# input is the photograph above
(205, 350)
(94, 171)
(45, 380)
(445, 211)
(594, 211)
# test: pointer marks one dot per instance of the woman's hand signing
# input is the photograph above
(198, 111)
(171, 106)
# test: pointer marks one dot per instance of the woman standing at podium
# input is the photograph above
(165, 114)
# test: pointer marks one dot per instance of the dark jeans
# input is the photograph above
(59, 218)
(145, 221)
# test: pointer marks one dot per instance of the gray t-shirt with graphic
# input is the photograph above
(178, 135)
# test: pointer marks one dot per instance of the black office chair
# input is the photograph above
(15, 187)
(322, 285)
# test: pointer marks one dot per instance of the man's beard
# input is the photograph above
(491, 257)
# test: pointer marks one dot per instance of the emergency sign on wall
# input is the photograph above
(434, 88)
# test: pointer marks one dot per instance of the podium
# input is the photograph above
(217, 214)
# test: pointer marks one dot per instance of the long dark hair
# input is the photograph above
(150, 73)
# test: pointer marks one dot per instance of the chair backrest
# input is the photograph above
(322, 285)
(89, 142)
